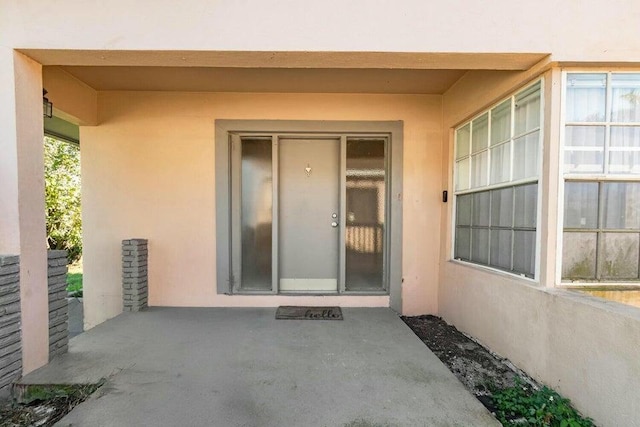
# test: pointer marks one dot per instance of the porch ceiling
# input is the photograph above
(300, 59)
(287, 80)
(245, 71)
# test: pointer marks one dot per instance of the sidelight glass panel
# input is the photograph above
(365, 209)
(256, 214)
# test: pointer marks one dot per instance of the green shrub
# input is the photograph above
(521, 405)
(62, 197)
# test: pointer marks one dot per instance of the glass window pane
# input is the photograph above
(479, 169)
(625, 136)
(525, 156)
(581, 205)
(586, 94)
(480, 245)
(618, 256)
(524, 252)
(463, 209)
(481, 209)
(365, 203)
(625, 97)
(621, 205)
(527, 110)
(589, 158)
(462, 174)
(580, 161)
(502, 207)
(624, 156)
(501, 122)
(463, 243)
(256, 204)
(526, 211)
(584, 136)
(501, 249)
(579, 256)
(500, 163)
(462, 140)
(624, 162)
(480, 136)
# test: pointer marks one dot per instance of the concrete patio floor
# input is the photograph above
(241, 367)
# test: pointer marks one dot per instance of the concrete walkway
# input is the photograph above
(241, 367)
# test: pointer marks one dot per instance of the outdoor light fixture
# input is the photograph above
(47, 106)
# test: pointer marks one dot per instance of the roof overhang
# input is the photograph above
(247, 59)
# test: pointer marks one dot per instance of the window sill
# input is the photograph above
(609, 285)
(527, 280)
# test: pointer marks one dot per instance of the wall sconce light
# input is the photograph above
(47, 106)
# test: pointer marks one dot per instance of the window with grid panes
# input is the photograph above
(601, 239)
(496, 184)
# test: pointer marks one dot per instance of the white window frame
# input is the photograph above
(591, 177)
(539, 179)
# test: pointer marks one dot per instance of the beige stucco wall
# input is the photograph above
(148, 171)
(594, 30)
(22, 221)
(585, 348)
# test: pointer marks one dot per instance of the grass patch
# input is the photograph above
(74, 284)
(521, 405)
(74, 280)
(44, 405)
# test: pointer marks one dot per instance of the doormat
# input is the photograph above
(309, 313)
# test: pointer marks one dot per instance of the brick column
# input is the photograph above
(10, 326)
(58, 304)
(134, 274)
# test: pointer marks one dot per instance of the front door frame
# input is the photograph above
(393, 130)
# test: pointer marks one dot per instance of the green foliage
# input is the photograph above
(520, 405)
(38, 393)
(74, 284)
(62, 197)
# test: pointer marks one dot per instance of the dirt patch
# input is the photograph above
(44, 405)
(475, 366)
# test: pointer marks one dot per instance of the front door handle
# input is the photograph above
(334, 224)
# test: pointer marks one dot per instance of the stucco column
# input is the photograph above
(22, 213)
(549, 181)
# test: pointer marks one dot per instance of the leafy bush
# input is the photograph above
(62, 197)
(520, 405)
